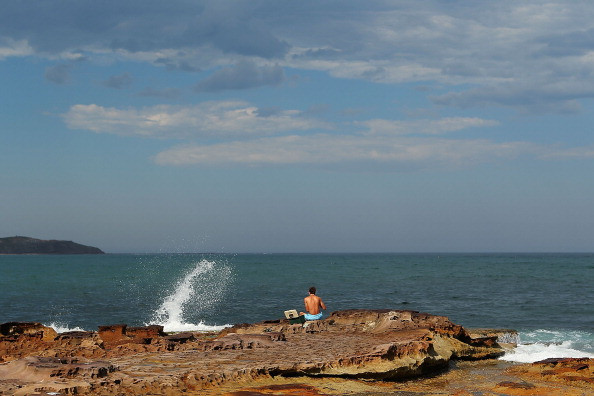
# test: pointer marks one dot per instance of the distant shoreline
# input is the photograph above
(21, 245)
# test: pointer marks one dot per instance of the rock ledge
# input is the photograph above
(371, 345)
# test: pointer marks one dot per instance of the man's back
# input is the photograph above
(313, 304)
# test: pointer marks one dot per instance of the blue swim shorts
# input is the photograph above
(313, 317)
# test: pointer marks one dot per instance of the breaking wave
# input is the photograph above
(63, 328)
(200, 288)
(543, 344)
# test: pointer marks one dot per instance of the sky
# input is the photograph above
(269, 126)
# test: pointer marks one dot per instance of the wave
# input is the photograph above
(200, 288)
(543, 344)
(63, 328)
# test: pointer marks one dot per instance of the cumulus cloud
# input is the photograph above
(503, 50)
(221, 119)
(241, 76)
(485, 53)
(499, 53)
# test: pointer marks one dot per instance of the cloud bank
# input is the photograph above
(532, 56)
(497, 53)
(243, 136)
(363, 151)
(222, 119)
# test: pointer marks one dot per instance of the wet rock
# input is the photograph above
(153, 331)
(181, 338)
(502, 336)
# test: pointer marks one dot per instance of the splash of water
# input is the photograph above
(202, 287)
(63, 328)
(542, 344)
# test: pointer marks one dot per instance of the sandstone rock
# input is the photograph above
(354, 344)
(49, 374)
(181, 338)
(118, 334)
(243, 341)
(502, 336)
(113, 333)
(18, 339)
(27, 328)
(575, 370)
(152, 331)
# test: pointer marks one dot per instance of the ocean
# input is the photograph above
(547, 298)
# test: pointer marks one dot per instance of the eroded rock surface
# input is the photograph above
(556, 373)
(349, 345)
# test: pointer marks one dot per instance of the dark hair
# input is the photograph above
(312, 290)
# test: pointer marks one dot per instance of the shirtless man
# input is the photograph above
(313, 305)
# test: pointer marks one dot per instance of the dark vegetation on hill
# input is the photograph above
(26, 245)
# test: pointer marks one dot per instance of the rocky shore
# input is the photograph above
(356, 352)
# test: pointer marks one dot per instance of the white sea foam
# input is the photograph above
(543, 344)
(170, 326)
(200, 288)
(63, 328)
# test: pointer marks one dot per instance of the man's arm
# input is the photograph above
(322, 304)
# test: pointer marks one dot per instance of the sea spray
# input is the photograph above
(543, 344)
(200, 288)
(63, 328)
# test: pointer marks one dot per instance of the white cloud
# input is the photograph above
(382, 142)
(208, 119)
(569, 153)
(501, 51)
(425, 127)
(10, 47)
(335, 149)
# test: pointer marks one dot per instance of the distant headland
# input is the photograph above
(26, 245)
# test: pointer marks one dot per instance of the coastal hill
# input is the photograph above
(26, 245)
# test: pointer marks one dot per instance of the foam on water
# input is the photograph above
(204, 286)
(543, 344)
(63, 328)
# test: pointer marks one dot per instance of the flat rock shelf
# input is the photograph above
(350, 352)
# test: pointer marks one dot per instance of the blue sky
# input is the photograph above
(299, 126)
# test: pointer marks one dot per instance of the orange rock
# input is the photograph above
(358, 345)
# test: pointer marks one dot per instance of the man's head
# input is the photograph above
(312, 290)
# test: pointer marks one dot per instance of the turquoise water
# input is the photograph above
(547, 297)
